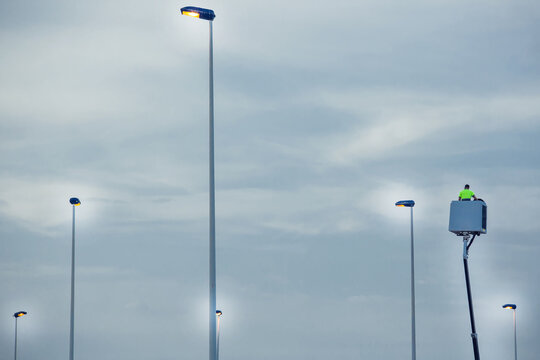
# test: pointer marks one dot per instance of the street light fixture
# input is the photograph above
(218, 315)
(75, 202)
(207, 14)
(513, 307)
(17, 315)
(410, 204)
(197, 12)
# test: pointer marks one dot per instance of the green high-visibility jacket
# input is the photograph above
(466, 194)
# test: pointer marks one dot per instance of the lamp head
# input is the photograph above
(219, 312)
(405, 203)
(19, 314)
(74, 201)
(197, 12)
(509, 306)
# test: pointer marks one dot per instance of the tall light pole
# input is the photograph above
(16, 316)
(207, 14)
(218, 314)
(410, 204)
(75, 202)
(513, 307)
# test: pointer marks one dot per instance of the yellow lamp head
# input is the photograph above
(191, 13)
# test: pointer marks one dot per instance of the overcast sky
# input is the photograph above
(326, 114)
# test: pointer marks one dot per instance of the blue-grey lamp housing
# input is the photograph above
(405, 203)
(75, 201)
(205, 14)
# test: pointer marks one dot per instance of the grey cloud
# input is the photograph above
(323, 121)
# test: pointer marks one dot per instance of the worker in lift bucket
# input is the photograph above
(466, 194)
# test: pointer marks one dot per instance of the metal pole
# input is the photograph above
(15, 338)
(515, 337)
(72, 316)
(217, 342)
(413, 306)
(212, 337)
(474, 335)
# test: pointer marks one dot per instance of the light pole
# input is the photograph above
(75, 202)
(207, 14)
(16, 316)
(410, 204)
(218, 314)
(513, 307)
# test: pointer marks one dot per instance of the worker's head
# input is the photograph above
(466, 186)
